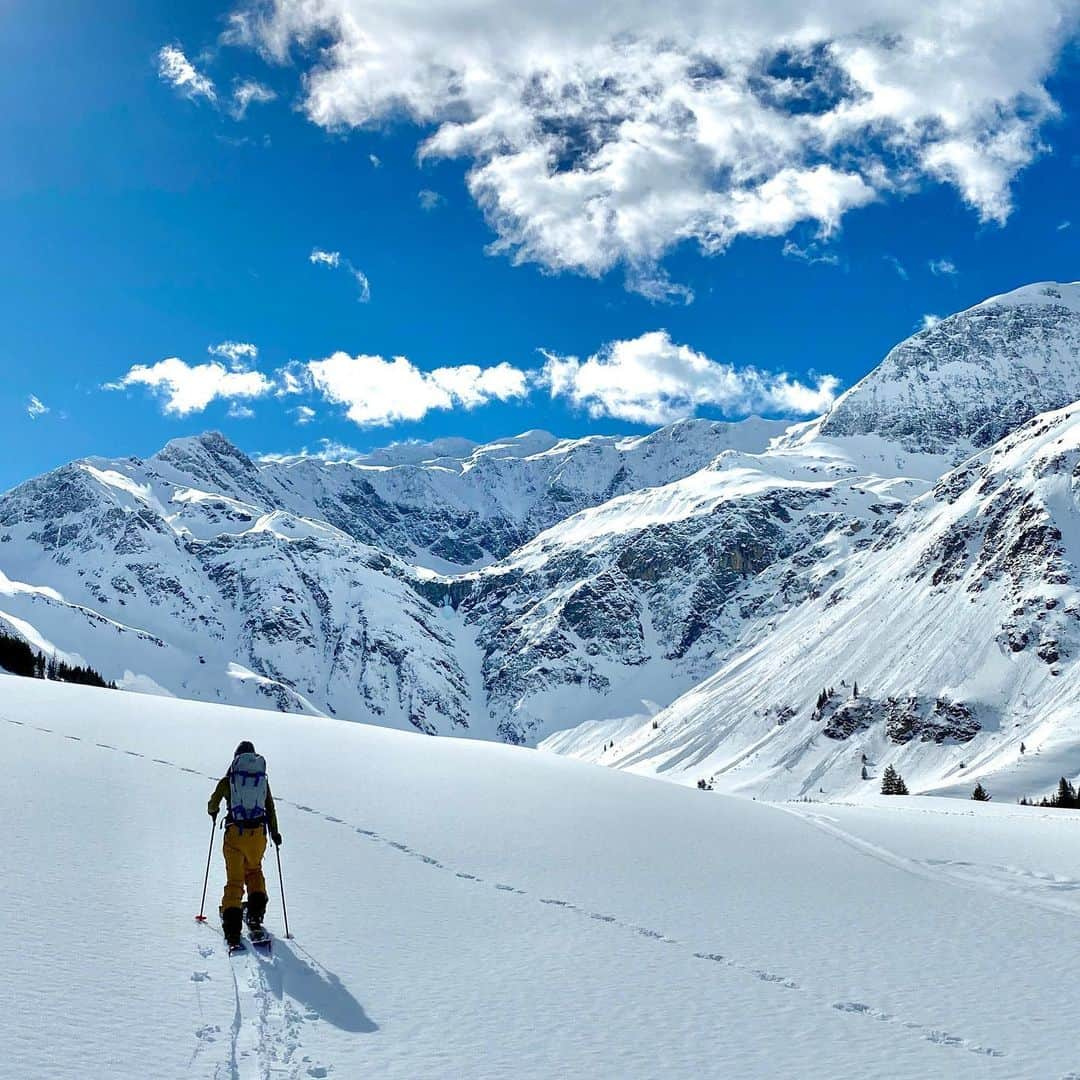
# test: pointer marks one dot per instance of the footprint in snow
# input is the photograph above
(859, 1007)
(335, 820)
(200, 976)
(206, 951)
(768, 976)
(467, 877)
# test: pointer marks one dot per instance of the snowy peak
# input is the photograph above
(969, 380)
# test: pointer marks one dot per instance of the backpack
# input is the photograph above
(247, 789)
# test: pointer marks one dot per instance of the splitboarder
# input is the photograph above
(251, 813)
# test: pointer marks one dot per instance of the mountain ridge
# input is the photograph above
(518, 588)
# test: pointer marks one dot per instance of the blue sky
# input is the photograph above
(142, 220)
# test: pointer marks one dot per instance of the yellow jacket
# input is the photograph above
(222, 792)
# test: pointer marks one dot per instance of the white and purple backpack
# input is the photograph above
(247, 790)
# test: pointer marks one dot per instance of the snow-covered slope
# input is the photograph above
(471, 910)
(959, 624)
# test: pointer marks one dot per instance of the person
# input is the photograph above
(251, 812)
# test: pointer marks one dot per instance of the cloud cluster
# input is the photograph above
(181, 74)
(187, 388)
(652, 380)
(334, 261)
(376, 391)
(645, 380)
(602, 136)
(35, 407)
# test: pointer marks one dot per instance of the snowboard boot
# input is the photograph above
(255, 910)
(232, 926)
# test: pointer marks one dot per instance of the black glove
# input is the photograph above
(213, 814)
(276, 837)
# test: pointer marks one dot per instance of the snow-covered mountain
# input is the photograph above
(202, 573)
(974, 377)
(453, 504)
(947, 645)
(532, 585)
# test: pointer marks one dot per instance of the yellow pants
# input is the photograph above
(243, 851)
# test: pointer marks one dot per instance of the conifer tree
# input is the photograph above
(1066, 794)
(980, 794)
(889, 780)
(865, 774)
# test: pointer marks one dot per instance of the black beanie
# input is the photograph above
(245, 748)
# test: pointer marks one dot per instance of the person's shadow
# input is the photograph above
(305, 980)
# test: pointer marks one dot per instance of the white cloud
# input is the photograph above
(249, 92)
(377, 391)
(187, 388)
(304, 414)
(376, 161)
(929, 321)
(429, 200)
(240, 412)
(1063, 226)
(35, 407)
(179, 72)
(334, 260)
(329, 450)
(602, 136)
(942, 267)
(897, 265)
(362, 281)
(651, 380)
(812, 253)
(292, 379)
(238, 353)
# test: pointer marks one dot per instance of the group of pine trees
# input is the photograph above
(18, 658)
(892, 783)
(1065, 797)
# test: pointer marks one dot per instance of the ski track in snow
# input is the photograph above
(1042, 889)
(265, 1036)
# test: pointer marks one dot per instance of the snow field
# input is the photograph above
(466, 909)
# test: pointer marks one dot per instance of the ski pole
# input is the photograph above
(202, 904)
(281, 882)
